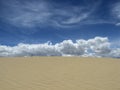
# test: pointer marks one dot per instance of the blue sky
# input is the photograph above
(39, 21)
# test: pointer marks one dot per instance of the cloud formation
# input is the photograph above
(116, 13)
(96, 47)
(44, 12)
(55, 13)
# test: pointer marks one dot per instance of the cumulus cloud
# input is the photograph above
(115, 53)
(96, 47)
(100, 46)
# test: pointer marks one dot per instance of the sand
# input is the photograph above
(59, 73)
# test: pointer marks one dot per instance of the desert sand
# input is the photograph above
(59, 73)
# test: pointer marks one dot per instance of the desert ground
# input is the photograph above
(59, 73)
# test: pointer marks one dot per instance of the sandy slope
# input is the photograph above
(58, 73)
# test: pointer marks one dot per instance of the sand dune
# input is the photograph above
(59, 73)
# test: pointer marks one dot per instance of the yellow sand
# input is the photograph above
(59, 73)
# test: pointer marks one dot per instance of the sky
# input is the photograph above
(60, 28)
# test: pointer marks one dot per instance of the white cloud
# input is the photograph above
(116, 9)
(76, 19)
(28, 14)
(40, 13)
(117, 24)
(116, 13)
(115, 53)
(100, 46)
(96, 47)
(67, 47)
